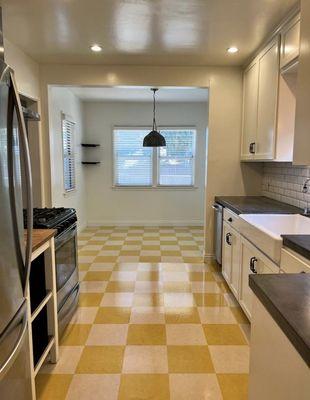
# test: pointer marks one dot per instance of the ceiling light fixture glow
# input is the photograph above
(232, 49)
(96, 48)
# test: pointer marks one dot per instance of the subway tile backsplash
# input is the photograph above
(284, 182)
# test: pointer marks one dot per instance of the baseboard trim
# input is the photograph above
(209, 257)
(145, 223)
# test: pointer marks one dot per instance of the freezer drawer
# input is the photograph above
(15, 382)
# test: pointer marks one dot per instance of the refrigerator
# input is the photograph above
(15, 251)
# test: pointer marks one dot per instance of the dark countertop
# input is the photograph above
(256, 205)
(298, 243)
(287, 299)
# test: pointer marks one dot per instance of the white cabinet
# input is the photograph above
(290, 40)
(250, 100)
(277, 371)
(260, 99)
(301, 154)
(252, 262)
(231, 257)
(267, 102)
(293, 263)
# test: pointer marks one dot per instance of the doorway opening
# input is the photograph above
(118, 182)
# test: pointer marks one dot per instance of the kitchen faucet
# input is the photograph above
(305, 189)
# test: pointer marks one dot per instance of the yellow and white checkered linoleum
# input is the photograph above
(154, 322)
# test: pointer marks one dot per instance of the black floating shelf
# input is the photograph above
(90, 162)
(90, 145)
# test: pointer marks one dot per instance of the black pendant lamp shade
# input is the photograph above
(154, 138)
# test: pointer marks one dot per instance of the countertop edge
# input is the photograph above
(289, 331)
(46, 234)
(298, 248)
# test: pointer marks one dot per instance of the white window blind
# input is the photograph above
(176, 161)
(68, 154)
(132, 161)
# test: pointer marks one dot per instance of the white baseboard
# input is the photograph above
(208, 257)
(80, 228)
(145, 223)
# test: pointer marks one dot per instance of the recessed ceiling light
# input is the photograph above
(232, 50)
(96, 48)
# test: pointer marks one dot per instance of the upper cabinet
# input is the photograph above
(272, 131)
(302, 123)
(250, 100)
(290, 39)
(260, 91)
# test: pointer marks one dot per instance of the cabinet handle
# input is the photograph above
(253, 260)
(230, 219)
(228, 236)
(252, 147)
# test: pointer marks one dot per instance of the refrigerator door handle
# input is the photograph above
(26, 158)
(6, 365)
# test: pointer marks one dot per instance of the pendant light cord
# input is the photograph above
(154, 111)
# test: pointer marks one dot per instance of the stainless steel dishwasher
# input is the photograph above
(218, 229)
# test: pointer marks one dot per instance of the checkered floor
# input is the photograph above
(154, 322)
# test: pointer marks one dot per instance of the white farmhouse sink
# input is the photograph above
(265, 230)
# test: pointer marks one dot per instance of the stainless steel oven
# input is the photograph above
(66, 263)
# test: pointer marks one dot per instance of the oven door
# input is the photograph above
(66, 263)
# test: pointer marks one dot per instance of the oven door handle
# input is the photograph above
(65, 236)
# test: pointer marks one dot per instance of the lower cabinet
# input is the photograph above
(252, 262)
(231, 257)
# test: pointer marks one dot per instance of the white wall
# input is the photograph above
(225, 174)
(108, 205)
(62, 100)
(25, 68)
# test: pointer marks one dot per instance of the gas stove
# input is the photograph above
(52, 218)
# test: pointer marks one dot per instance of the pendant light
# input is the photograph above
(154, 138)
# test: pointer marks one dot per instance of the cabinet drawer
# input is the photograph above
(230, 217)
(292, 264)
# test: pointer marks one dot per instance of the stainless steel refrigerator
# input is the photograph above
(15, 252)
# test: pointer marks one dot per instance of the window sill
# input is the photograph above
(151, 188)
(69, 193)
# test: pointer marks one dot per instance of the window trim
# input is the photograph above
(155, 160)
(66, 117)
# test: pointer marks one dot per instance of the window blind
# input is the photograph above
(176, 161)
(68, 154)
(132, 161)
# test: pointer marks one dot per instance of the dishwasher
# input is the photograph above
(218, 229)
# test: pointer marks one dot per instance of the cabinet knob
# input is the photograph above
(230, 219)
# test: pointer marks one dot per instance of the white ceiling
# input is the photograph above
(141, 94)
(141, 32)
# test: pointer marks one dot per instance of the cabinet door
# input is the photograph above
(245, 291)
(235, 263)
(290, 39)
(252, 262)
(226, 252)
(250, 98)
(267, 102)
(301, 154)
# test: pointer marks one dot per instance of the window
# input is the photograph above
(135, 165)
(132, 161)
(176, 160)
(68, 154)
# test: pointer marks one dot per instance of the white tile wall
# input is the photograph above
(284, 182)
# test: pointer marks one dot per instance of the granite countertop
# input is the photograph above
(298, 243)
(287, 299)
(256, 205)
